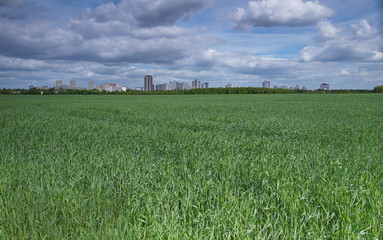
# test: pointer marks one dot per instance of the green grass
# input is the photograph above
(191, 167)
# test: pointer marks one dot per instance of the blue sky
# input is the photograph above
(287, 42)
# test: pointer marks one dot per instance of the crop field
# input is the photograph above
(291, 166)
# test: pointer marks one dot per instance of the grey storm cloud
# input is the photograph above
(13, 3)
(128, 14)
(19, 9)
(150, 13)
(272, 13)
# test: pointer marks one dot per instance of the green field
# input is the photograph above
(192, 167)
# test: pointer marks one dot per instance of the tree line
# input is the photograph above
(240, 90)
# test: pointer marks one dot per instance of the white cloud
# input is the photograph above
(163, 32)
(344, 73)
(365, 44)
(270, 13)
(237, 63)
(327, 31)
(9, 63)
(363, 29)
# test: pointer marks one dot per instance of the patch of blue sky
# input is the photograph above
(352, 9)
(264, 44)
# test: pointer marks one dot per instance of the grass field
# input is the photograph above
(191, 167)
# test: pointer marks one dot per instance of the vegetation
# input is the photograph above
(378, 89)
(191, 167)
(240, 90)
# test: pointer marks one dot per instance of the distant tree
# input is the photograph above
(32, 91)
(378, 89)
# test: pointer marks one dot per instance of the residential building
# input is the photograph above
(110, 87)
(59, 84)
(182, 86)
(265, 84)
(205, 85)
(229, 85)
(164, 86)
(72, 84)
(148, 81)
(196, 84)
(90, 84)
(173, 85)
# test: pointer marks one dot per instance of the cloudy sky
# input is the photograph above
(287, 42)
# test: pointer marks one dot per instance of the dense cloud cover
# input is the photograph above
(287, 42)
(125, 32)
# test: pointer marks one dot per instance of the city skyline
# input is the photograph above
(243, 43)
(148, 85)
(171, 85)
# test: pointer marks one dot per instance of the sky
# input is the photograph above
(286, 42)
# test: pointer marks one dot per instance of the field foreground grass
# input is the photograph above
(191, 167)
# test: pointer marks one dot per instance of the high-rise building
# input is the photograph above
(205, 85)
(72, 84)
(164, 86)
(59, 84)
(173, 85)
(110, 87)
(148, 83)
(196, 84)
(182, 86)
(90, 84)
(266, 84)
(325, 86)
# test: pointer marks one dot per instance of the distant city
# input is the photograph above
(172, 85)
(323, 86)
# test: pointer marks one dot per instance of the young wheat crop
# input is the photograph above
(191, 167)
